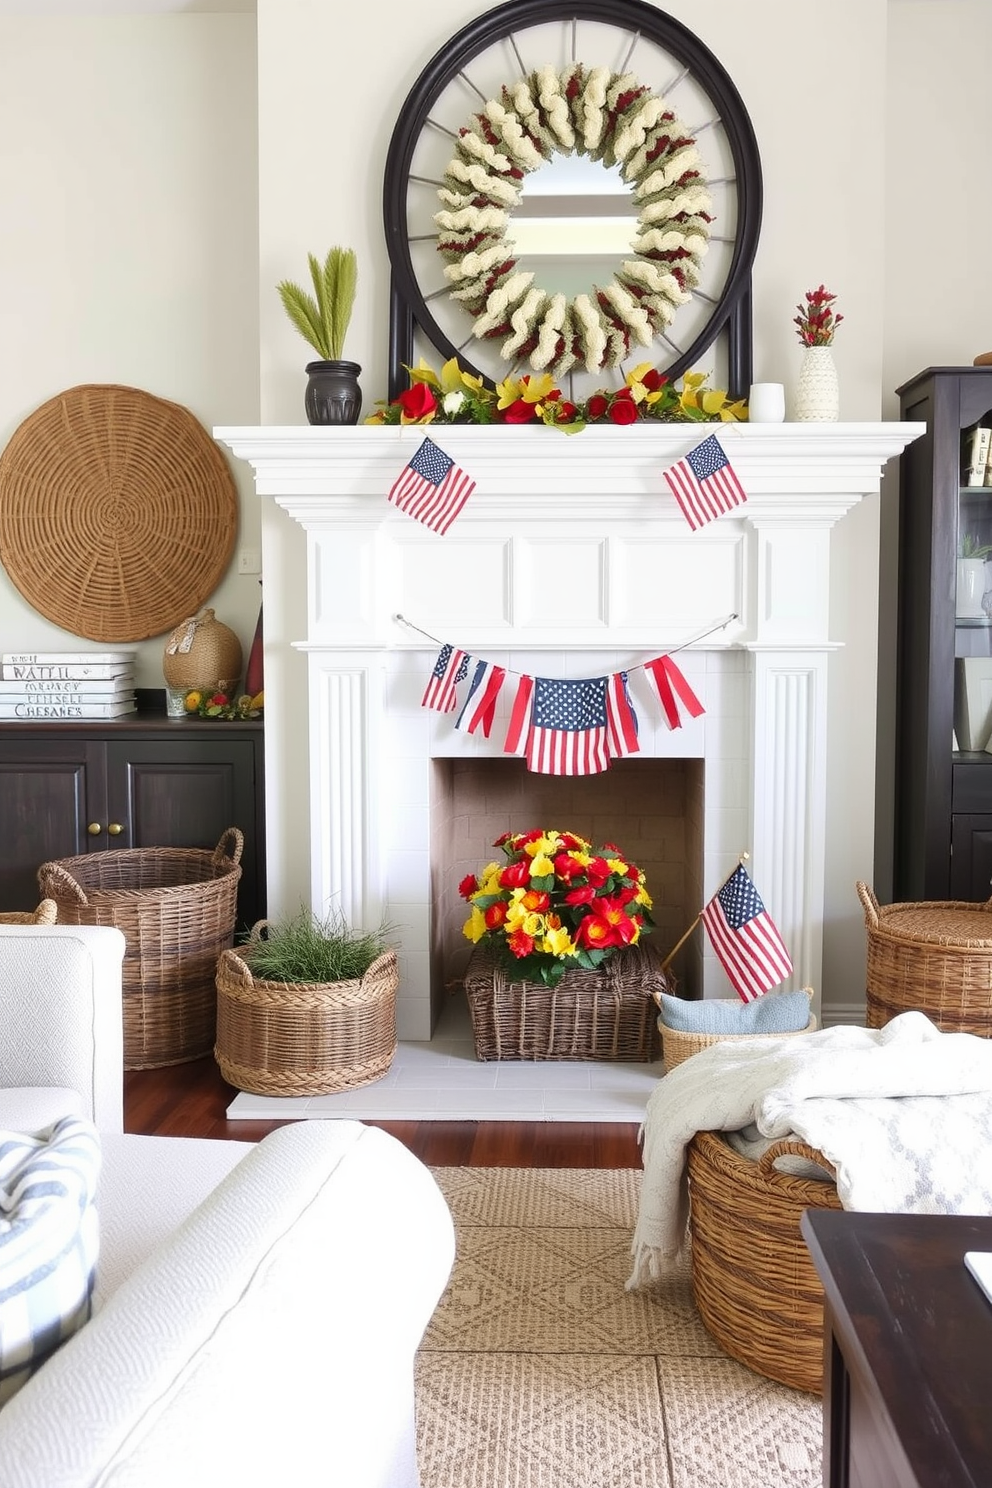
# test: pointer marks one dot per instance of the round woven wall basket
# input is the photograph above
(118, 512)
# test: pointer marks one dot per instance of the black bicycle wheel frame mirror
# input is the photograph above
(534, 137)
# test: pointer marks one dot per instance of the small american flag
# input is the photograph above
(432, 488)
(450, 668)
(568, 729)
(479, 707)
(704, 483)
(744, 937)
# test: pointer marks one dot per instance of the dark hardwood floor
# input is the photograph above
(190, 1100)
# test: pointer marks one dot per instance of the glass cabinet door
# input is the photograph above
(973, 591)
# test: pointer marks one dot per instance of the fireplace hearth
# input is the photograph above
(571, 559)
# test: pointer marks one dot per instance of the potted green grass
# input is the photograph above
(307, 1006)
(322, 318)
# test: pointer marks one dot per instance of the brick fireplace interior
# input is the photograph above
(651, 808)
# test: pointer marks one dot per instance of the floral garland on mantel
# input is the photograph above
(609, 117)
(460, 397)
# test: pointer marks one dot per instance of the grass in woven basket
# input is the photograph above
(306, 948)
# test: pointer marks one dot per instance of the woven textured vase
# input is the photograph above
(202, 653)
(818, 391)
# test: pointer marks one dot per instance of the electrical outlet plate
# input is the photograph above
(249, 561)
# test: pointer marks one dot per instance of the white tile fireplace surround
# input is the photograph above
(570, 559)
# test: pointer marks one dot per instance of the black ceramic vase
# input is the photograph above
(333, 395)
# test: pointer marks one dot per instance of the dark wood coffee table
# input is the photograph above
(907, 1396)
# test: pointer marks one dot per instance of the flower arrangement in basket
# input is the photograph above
(556, 903)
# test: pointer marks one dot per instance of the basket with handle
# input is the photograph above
(677, 1044)
(176, 907)
(606, 1013)
(934, 957)
(303, 1038)
(753, 1279)
(46, 913)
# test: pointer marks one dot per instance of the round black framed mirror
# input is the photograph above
(590, 124)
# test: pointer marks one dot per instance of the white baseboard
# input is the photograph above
(842, 1012)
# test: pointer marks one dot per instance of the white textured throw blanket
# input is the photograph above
(903, 1112)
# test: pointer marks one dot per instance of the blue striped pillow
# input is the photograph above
(49, 1240)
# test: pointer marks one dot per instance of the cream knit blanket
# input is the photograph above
(904, 1113)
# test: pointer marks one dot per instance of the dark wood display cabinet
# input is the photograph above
(140, 781)
(943, 785)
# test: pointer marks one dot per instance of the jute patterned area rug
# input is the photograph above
(540, 1371)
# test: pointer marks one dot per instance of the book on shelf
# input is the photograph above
(65, 699)
(99, 690)
(31, 671)
(69, 658)
(976, 455)
(27, 711)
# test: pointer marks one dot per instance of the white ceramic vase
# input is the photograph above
(970, 589)
(818, 391)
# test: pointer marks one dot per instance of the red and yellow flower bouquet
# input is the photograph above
(557, 902)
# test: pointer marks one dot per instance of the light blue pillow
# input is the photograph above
(48, 1243)
(776, 1012)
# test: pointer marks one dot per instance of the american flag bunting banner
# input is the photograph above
(704, 483)
(745, 939)
(479, 707)
(432, 488)
(669, 683)
(450, 668)
(562, 727)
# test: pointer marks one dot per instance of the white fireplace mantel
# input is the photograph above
(571, 554)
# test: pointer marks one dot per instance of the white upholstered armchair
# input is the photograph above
(258, 1308)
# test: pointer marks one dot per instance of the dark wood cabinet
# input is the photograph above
(907, 1374)
(69, 788)
(943, 795)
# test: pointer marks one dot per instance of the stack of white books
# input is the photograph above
(66, 684)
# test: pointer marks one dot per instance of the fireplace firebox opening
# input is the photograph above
(651, 808)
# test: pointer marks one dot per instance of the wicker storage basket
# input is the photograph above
(303, 1038)
(934, 957)
(176, 908)
(677, 1046)
(604, 1014)
(45, 914)
(754, 1282)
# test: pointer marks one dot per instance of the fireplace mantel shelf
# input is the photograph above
(828, 466)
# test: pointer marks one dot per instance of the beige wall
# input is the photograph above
(153, 221)
(128, 177)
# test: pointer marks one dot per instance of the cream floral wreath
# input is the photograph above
(606, 116)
